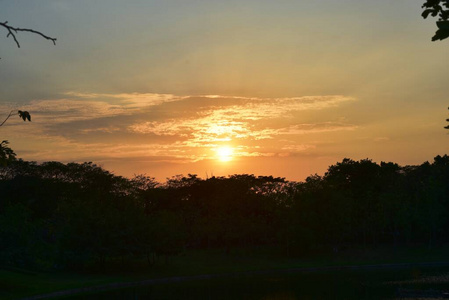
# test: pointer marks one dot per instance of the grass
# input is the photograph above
(16, 284)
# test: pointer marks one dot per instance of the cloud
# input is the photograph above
(317, 128)
(237, 121)
(130, 100)
(381, 139)
(171, 127)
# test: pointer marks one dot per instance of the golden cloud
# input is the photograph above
(194, 125)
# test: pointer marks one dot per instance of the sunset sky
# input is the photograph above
(283, 88)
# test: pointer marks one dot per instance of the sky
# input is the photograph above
(214, 88)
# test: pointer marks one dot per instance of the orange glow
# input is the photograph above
(225, 153)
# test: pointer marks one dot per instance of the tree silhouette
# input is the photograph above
(438, 8)
(6, 154)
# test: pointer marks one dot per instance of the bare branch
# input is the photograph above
(12, 31)
(10, 114)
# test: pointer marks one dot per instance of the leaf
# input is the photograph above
(21, 114)
(24, 115)
(431, 3)
(426, 13)
(444, 15)
(443, 25)
(441, 34)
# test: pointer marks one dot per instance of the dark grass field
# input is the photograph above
(17, 283)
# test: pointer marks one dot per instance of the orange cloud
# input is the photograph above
(165, 126)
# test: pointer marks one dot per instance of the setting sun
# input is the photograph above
(225, 153)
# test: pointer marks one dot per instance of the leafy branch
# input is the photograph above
(6, 153)
(438, 8)
(12, 31)
(24, 115)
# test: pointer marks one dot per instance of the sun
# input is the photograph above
(225, 153)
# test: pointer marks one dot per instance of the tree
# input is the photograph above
(6, 154)
(438, 8)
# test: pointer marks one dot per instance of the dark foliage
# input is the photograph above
(55, 215)
(438, 8)
(6, 153)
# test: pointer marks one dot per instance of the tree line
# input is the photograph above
(55, 215)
